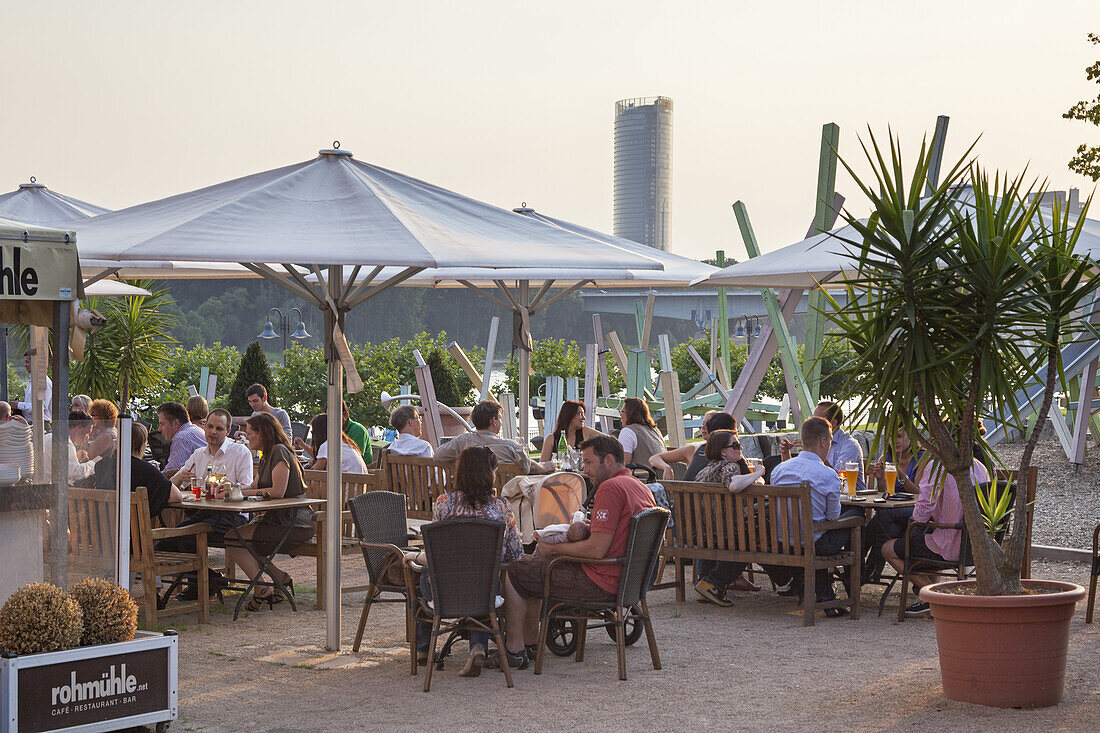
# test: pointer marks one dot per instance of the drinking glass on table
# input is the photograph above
(851, 474)
(891, 471)
(196, 486)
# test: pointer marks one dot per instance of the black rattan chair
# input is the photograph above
(639, 566)
(464, 572)
(382, 526)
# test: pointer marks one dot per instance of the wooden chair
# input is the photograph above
(963, 567)
(92, 527)
(639, 565)
(352, 485)
(506, 472)
(153, 564)
(1094, 574)
(767, 525)
(421, 480)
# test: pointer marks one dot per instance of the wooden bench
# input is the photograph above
(93, 520)
(152, 564)
(352, 484)
(713, 523)
(421, 480)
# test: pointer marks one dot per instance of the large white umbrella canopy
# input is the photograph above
(330, 211)
(518, 298)
(335, 210)
(33, 203)
(829, 259)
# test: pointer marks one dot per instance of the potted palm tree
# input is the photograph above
(961, 296)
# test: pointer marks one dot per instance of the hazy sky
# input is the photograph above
(119, 103)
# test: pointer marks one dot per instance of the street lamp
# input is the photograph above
(283, 323)
(747, 326)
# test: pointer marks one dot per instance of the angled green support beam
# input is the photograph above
(824, 216)
(723, 322)
(936, 157)
(785, 344)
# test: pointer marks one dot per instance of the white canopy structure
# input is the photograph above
(33, 203)
(518, 298)
(330, 211)
(828, 260)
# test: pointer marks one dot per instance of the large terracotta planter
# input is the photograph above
(1004, 651)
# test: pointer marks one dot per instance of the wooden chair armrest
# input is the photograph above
(161, 533)
(845, 523)
(932, 525)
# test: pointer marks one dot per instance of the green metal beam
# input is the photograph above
(788, 349)
(823, 216)
(723, 323)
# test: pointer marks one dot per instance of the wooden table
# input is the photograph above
(866, 500)
(259, 507)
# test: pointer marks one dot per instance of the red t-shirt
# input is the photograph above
(617, 500)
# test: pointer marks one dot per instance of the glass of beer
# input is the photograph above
(891, 471)
(851, 473)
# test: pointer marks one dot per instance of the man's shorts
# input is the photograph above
(918, 548)
(568, 581)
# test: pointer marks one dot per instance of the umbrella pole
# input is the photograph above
(335, 489)
(524, 370)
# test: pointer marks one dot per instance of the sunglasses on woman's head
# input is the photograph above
(735, 445)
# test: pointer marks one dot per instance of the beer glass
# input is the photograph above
(891, 471)
(851, 473)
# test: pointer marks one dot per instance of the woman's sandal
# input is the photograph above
(255, 603)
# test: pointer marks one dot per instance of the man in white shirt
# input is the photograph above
(408, 424)
(80, 468)
(219, 451)
(26, 407)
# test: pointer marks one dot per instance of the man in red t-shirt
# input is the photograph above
(619, 496)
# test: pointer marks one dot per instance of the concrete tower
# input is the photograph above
(643, 170)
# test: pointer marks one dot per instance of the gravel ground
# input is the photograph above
(749, 667)
(1067, 506)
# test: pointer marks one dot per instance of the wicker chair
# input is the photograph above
(464, 571)
(380, 520)
(639, 565)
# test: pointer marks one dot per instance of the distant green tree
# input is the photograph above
(254, 369)
(186, 368)
(302, 384)
(1087, 160)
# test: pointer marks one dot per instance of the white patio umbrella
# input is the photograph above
(33, 203)
(824, 258)
(107, 288)
(329, 211)
(518, 297)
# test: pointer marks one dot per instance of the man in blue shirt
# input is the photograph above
(810, 466)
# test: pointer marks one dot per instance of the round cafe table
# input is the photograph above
(258, 507)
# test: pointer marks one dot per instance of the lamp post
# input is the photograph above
(283, 324)
(747, 326)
